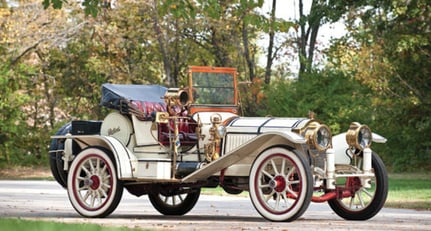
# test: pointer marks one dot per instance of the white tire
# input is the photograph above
(281, 184)
(93, 187)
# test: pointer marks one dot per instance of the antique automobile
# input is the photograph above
(169, 143)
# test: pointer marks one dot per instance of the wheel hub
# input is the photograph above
(278, 183)
(93, 182)
(354, 184)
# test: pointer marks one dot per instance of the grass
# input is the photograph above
(16, 224)
(411, 191)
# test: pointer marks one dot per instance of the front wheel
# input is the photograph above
(365, 202)
(174, 204)
(281, 184)
(93, 187)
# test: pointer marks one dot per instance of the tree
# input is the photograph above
(320, 12)
(11, 116)
(388, 50)
(334, 97)
(26, 113)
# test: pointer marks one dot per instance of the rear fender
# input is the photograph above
(125, 160)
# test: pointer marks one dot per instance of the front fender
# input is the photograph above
(125, 161)
(340, 146)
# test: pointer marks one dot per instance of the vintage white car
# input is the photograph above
(170, 143)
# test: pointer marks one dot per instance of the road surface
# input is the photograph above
(46, 200)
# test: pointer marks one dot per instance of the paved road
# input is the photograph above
(46, 200)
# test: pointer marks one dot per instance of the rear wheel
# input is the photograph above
(281, 184)
(364, 202)
(177, 204)
(93, 187)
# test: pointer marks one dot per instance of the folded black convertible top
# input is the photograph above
(129, 98)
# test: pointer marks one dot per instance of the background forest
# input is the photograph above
(55, 55)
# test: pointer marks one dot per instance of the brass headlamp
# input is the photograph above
(318, 136)
(177, 97)
(359, 136)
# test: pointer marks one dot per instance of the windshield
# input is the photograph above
(213, 88)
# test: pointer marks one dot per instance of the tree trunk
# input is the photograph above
(218, 42)
(270, 57)
(312, 44)
(166, 66)
(249, 60)
(302, 43)
(308, 35)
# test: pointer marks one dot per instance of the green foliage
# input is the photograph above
(20, 141)
(407, 125)
(335, 99)
(390, 52)
(91, 7)
(57, 4)
(53, 63)
(11, 114)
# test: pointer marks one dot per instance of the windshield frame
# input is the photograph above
(213, 85)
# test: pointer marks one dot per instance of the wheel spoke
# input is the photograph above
(269, 196)
(106, 176)
(286, 202)
(104, 195)
(87, 194)
(84, 187)
(90, 162)
(361, 201)
(351, 202)
(277, 201)
(283, 165)
(106, 186)
(289, 190)
(267, 174)
(263, 185)
(366, 192)
(274, 167)
(180, 196)
(85, 170)
(92, 199)
(98, 197)
(291, 171)
(294, 182)
(97, 169)
(103, 172)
